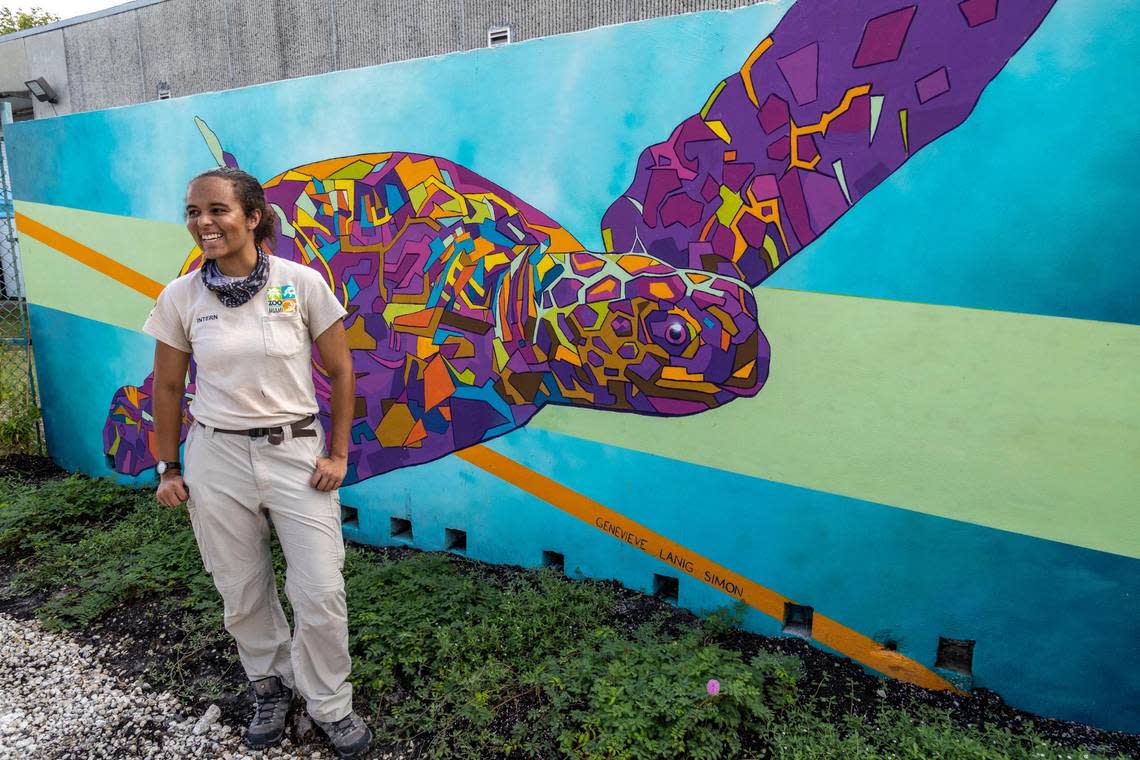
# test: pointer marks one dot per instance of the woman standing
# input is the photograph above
(255, 452)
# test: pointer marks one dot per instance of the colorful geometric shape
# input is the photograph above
(978, 12)
(883, 37)
(876, 111)
(800, 70)
(837, 166)
(932, 85)
(773, 114)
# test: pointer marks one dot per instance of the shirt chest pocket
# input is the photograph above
(284, 335)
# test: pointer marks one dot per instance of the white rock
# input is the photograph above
(213, 712)
(58, 700)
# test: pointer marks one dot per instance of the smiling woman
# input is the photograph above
(253, 451)
(226, 216)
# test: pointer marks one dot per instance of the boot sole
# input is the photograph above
(348, 755)
(263, 743)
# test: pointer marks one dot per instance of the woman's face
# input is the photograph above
(215, 218)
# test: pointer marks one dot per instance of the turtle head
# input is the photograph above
(629, 332)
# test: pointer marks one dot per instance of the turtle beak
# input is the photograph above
(750, 365)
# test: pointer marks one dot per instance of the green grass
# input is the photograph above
(19, 415)
(464, 659)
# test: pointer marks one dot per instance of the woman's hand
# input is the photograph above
(329, 473)
(172, 491)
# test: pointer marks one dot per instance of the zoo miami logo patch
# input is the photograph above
(282, 299)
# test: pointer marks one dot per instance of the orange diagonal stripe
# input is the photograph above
(824, 630)
(87, 256)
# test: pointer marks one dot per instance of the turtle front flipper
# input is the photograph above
(421, 409)
(129, 441)
(835, 100)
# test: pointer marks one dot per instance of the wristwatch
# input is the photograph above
(162, 467)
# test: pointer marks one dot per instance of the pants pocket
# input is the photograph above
(199, 538)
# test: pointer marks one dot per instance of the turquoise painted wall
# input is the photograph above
(944, 446)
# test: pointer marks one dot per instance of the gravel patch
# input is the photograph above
(57, 701)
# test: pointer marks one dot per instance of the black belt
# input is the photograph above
(276, 435)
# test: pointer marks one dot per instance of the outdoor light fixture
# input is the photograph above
(41, 90)
(163, 91)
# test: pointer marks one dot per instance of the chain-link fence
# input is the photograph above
(20, 429)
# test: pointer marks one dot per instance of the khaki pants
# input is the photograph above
(235, 483)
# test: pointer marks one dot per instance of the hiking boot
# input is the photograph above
(350, 735)
(268, 724)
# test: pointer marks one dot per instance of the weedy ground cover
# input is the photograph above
(457, 659)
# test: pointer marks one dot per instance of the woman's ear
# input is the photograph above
(253, 219)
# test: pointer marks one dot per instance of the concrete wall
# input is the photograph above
(47, 56)
(105, 62)
(119, 56)
(935, 433)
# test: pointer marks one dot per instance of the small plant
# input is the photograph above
(19, 419)
(59, 511)
(650, 696)
(918, 733)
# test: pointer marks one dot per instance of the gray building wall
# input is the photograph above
(121, 55)
(46, 55)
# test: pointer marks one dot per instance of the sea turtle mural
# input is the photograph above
(469, 309)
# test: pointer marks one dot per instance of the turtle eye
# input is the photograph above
(677, 333)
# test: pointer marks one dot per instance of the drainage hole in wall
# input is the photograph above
(349, 517)
(666, 587)
(554, 560)
(956, 655)
(401, 529)
(455, 540)
(798, 619)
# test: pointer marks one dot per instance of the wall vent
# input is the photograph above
(955, 655)
(554, 560)
(455, 540)
(499, 35)
(401, 529)
(666, 587)
(798, 619)
(349, 516)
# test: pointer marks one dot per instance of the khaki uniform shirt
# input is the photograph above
(255, 360)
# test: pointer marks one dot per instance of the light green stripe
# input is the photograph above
(1014, 421)
(155, 249)
(1020, 422)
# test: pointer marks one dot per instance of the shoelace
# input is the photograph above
(266, 709)
(344, 726)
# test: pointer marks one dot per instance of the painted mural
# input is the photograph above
(464, 319)
(893, 428)
(784, 148)
(469, 309)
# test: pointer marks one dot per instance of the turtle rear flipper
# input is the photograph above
(129, 442)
